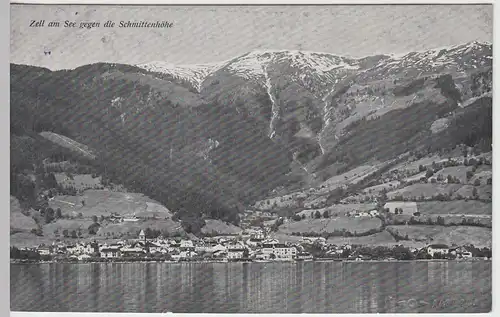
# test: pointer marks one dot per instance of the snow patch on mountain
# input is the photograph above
(456, 58)
(194, 74)
(300, 64)
(274, 106)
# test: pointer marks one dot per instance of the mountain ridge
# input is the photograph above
(210, 68)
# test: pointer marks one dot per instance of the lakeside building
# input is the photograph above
(230, 248)
(278, 251)
(132, 251)
(304, 257)
(45, 250)
(186, 245)
(233, 254)
(437, 248)
(110, 252)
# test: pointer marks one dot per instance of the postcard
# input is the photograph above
(251, 158)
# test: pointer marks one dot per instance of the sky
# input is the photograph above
(207, 34)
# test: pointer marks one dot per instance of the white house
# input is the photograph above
(132, 251)
(252, 232)
(235, 254)
(202, 247)
(270, 241)
(280, 251)
(131, 219)
(236, 245)
(88, 248)
(83, 257)
(466, 255)
(187, 254)
(187, 245)
(346, 247)
(218, 247)
(437, 248)
(110, 252)
(304, 257)
(44, 250)
(156, 248)
(72, 249)
(219, 254)
(311, 240)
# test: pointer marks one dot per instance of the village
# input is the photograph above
(250, 246)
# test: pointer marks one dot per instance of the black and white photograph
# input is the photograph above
(251, 158)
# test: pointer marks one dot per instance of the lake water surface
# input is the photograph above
(311, 287)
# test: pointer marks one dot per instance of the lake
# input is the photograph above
(310, 287)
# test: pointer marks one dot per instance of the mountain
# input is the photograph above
(208, 140)
(306, 100)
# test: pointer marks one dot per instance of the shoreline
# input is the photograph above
(244, 262)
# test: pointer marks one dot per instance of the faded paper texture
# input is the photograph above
(251, 159)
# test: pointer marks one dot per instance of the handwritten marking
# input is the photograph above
(437, 303)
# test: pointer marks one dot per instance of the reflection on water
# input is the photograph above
(256, 287)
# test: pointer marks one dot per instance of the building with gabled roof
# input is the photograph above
(142, 235)
(437, 248)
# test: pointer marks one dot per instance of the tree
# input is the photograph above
(80, 215)
(325, 214)
(73, 234)
(440, 221)
(435, 167)
(102, 219)
(429, 173)
(317, 214)
(303, 216)
(58, 213)
(489, 181)
(473, 162)
(93, 228)
(49, 215)
(477, 182)
(402, 253)
(469, 174)
(421, 168)
(474, 192)
(450, 179)
(346, 253)
(65, 233)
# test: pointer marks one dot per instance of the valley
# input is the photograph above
(381, 150)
